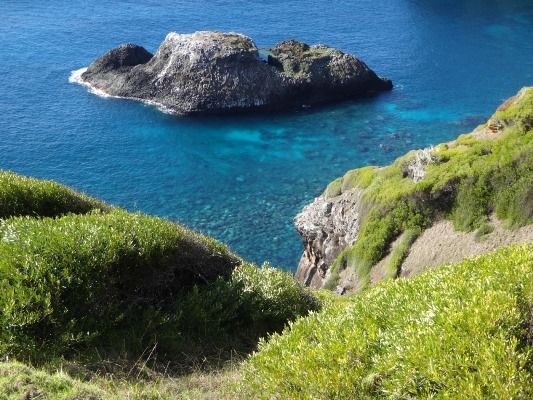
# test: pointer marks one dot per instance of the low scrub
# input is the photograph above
(462, 331)
(20, 195)
(96, 280)
(234, 313)
(105, 283)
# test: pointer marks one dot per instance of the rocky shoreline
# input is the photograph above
(376, 223)
(215, 72)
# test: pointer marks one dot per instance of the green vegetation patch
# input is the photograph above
(21, 195)
(333, 189)
(360, 178)
(518, 109)
(82, 279)
(105, 283)
(462, 331)
(18, 381)
(467, 181)
(400, 252)
(235, 313)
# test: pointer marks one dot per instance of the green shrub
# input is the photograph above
(235, 313)
(20, 195)
(472, 207)
(273, 294)
(379, 231)
(484, 230)
(106, 280)
(515, 202)
(116, 283)
(462, 331)
(400, 253)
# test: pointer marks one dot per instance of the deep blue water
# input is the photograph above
(242, 179)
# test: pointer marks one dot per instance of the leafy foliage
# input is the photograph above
(95, 278)
(119, 283)
(462, 331)
(400, 252)
(235, 313)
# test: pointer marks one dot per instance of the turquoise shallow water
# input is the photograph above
(242, 179)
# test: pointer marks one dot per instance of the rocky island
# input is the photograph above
(215, 72)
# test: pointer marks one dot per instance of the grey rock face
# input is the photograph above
(327, 226)
(215, 72)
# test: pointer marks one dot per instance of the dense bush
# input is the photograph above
(463, 331)
(117, 283)
(96, 279)
(234, 313)
(20, 195)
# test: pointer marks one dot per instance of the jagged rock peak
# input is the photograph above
(216, 72)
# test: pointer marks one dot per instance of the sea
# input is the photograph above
(243, 178)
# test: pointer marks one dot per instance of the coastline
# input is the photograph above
(75, 78)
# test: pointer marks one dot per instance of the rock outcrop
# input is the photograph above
(215, 72)
(327, 226)
(377, 223)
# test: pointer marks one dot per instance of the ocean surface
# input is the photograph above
(242, 179)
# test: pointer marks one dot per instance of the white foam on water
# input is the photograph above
(75, 77)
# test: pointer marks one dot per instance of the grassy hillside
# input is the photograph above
(20, 195)
(82, 281)
(100, 303)
(485, 172)
(462, 331)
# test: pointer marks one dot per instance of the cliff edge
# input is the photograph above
(429, 207)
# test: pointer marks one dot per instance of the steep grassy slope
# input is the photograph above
(111, 284)
(462, 331)
(485, 172)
